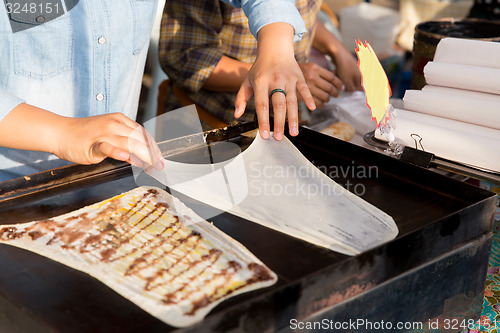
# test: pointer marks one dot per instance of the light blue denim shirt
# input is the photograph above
(89, 61)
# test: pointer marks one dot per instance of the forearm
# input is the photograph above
(228, 75)
(274, 40)
(346, 67)
(31, 128)
(325, 42)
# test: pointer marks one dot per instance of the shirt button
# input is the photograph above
(99, 97)
(101, 40)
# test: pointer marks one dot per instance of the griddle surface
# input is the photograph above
(422, 203)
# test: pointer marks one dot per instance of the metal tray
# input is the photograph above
(435, 215)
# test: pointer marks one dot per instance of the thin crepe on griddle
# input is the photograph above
(147, 251)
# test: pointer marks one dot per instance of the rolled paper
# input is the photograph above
(450, 139)
(468, 52)
(468, 77)
(475, 108)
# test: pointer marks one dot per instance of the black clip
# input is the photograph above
(416, 156)
(413, 136)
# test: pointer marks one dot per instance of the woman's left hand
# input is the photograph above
(275, 68)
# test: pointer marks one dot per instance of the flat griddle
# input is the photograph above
(434, 214)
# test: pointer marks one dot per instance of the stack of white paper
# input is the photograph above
(457, 114)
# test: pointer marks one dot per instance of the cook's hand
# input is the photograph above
(275, 68)
(322, 82)
(347, 70)
(90, 140)
(79, 140)
(346, 65)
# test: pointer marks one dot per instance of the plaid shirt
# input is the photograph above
(193, 39)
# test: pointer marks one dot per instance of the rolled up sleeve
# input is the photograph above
(8, 103)
(264, 12)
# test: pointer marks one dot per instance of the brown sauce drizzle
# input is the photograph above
(214, 296)
(35, 234)
(170, 298)
(160, 273)
(260, 273)
(106, 254)
(104, 236)
(10, 233)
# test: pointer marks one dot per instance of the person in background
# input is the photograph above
(70, 79)
(208, 51)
